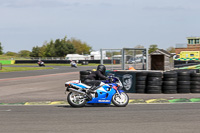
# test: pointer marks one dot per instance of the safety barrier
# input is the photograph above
(84, 62)
(7, 61)
(151, 82)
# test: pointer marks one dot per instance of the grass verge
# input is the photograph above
(13, 69)
(46, 64)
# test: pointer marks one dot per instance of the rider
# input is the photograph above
(95, 78)
(73, 63)
(40, 63)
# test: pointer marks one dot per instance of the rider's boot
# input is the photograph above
(89, 97)
(92, 89)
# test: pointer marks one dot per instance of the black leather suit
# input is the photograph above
(94, 79)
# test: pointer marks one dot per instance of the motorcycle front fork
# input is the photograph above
(119, 95)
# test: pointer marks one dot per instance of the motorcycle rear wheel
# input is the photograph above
(120, 100)
(74, 101)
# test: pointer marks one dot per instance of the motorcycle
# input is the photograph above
(108, 91)
(73, 64)
(41, 63)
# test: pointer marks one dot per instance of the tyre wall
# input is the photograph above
(154, 83)
(171, 82)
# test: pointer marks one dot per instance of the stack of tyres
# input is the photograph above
(84, 74)
(141, 82)
(154, 83)
(188, 70)
(183, 82)
(195, 83)
(169, 82)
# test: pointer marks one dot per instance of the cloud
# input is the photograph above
(105, 4)
(36, 3)
(164, 8)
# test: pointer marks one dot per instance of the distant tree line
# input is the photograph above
(57, 48)
(1, 49)
(154, 47)
(151, 49)
(62, 47)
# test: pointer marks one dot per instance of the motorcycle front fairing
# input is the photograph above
(104, 95)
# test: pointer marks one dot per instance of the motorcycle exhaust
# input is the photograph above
(76, 91)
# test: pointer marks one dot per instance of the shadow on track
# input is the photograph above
(88, 106)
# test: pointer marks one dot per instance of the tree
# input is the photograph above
(170, 50)
(35, 51)
(57, 48)
(81, 47)
(1, 49)
(139, 51)
(134, 52)
(24, 53)
(139, 46)
(152, 48)
(50, 52)
(42, 51)
(62, 48)
(9, 53)
(110, 54)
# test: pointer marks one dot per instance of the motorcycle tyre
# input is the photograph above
(75, 105)
(120, 105)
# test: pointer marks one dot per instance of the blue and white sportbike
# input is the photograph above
(108, 91)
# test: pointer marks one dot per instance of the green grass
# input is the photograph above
(46, 64)
(12, 69)
(5, 57)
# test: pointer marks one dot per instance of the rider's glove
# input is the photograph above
(110, 80)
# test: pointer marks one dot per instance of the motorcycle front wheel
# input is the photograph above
(120, 100)
(76, 100)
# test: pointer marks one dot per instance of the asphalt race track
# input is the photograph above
(48, 85)
(38, 85)
(57, 69)
(135, 118)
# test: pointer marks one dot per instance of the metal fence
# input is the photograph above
(114, 55)
(135, 57)
(126, 57)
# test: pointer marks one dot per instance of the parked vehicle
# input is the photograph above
(137, 59)
(108, 91)
(131, 61)
(189, 54)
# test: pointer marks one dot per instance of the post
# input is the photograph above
(143, 60)
(147, 60)
(123, 64)
(101, 51)
(112, 61)
(135, 63)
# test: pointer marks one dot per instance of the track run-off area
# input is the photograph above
(24, 97)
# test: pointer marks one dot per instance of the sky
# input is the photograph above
(106, 24)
